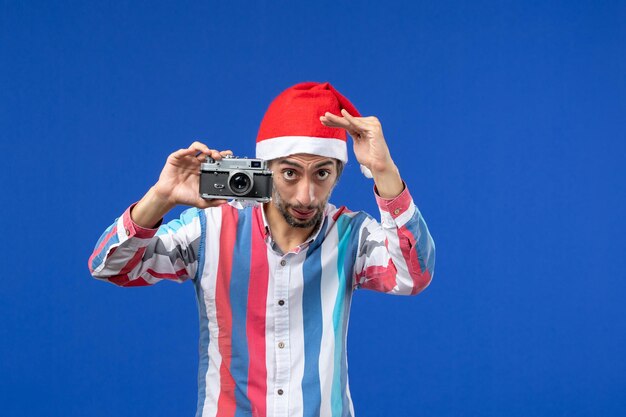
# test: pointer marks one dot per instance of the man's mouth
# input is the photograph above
(302, 214)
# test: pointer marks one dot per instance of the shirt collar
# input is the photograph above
(311, 238)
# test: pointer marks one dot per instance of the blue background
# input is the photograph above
(506, 119)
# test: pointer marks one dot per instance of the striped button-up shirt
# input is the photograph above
(273, 325)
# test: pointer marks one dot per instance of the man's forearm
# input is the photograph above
(150, 210)
(388, 182)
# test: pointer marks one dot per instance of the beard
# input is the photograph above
(283, 207)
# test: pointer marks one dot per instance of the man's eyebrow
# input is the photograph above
(297, 165)
(290, 163)
(324, 163)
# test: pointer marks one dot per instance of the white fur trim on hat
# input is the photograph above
(289, 145)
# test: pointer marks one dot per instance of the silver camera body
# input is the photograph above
(237, 178)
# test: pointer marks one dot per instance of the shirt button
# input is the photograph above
(281, 345)
(396, 211)
(281, 302)
(127, 232)
(280, 392)
(283, 262)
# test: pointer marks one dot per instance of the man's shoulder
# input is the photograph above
(344, 214)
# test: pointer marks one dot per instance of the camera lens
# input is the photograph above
(239, 183)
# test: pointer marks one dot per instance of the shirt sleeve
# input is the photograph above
(397, 255)
(129, 255)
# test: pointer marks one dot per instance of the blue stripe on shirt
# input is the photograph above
(343, 230)
(239, 281)
(425, 245)
(185, 218)
(312, 325)
(350, 256)
(348, 230)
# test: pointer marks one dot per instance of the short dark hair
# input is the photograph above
(340, 166)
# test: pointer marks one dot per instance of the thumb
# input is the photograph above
(201, 203)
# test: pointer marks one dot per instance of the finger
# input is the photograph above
(332, 120)
(355, 121)
(215, 154)
(353, 125)
(200, 156)
(215, 203)
(202, 203)
(200, 147)
(181, 153)
(225, 153)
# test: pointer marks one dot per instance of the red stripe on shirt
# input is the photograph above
(124, 281)
(175, 275)
(133, 261)
(226, 401)
(255, 328)
(340, 211)
(378, 277)
(102, 245)
(420, 278)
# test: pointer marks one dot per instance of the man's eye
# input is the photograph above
(289, 174)
(323, 174)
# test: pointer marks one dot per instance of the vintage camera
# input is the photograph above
(238, 178)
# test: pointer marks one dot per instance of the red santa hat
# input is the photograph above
(292, 123)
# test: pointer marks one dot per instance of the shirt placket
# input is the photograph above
(281, 336)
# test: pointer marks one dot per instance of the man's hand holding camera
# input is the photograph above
(177, 185)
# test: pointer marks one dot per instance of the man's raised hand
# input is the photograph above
(370, 150)
(370, 147)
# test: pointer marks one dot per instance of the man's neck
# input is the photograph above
(286, 236)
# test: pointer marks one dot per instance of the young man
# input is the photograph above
(274, 281)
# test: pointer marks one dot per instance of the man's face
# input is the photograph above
(302, 186)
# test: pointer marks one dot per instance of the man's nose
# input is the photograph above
(305, 195)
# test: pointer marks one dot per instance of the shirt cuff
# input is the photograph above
(132, 229)
(396, 212)
(395, 206)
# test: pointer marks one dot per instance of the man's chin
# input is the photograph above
(299, 218)
(313, 221)
(302, 224)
